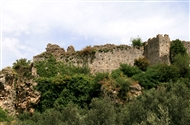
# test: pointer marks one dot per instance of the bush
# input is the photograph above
(182, 62)
(4, 116)
(157, 74)
(145, 80)
(79, 89)
(102, 112)
(123, 84)
(137, 42)
(176, 48)
(47, 68)
(23, 62)
(22, 67)
(169, 105)
(101, 76)
(142, 63)
(129, 70)
(116, 73)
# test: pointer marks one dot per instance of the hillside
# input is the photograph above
(100, 85)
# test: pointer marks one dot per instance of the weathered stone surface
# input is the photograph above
(108, 57)
(51, 48)
(16, 95)
(136, 87)
(135, 90)
(157, 49)
(70, 49)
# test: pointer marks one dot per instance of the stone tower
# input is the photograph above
(157, 49)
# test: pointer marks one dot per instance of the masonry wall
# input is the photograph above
(157, 49)
(109, 57)
(164, 49)
(187, 46)
(108, 61)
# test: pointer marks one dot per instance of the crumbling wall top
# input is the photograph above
(70, 49)
(53, 47)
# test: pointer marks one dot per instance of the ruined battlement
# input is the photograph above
(157, 49)
(105, 58)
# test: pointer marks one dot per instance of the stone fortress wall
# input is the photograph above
(157, 49)
(109, 57)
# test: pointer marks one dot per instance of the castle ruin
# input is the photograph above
(105, 58)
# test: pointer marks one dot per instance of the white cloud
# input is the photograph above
(13, 49)
(101, 22)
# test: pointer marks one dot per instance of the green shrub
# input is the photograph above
(137, 42)
(145, 80)
(23, 62)
(176, 48)
(182, 62)
(101, 76)
(22, 67)
(102, 112)
(79, 89)
(116, 73)
(47, 68)
(169, 105)
(142, 63)
(123, 85)
(4, 116)
(129, 70)
(157, 74)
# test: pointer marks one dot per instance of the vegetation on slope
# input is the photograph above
(70, 95)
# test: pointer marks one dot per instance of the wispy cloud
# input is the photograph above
(29, 26)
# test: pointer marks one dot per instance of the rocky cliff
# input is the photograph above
(17, 93)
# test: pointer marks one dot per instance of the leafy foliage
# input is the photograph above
(116, 73)
(176, 48)
(167, 105)
(22, 67)
(157, 74)
(129, 70)
(142, 63)
(21, 63)
(70, 95)
(4, 116)
(137, 42)
(123, 84)
(79, 89)
(102, 112)
(182, 62)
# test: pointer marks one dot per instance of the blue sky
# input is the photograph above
(28, 26)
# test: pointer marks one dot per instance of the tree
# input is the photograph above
(47, 68)
(129, 70)
(157, 74)
(136, 42)
(176, 48)
(102, 112)
(22, 67)
(21, 63)
(182, 62)
(167, 105)
(142, 63)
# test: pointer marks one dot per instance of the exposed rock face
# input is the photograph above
(7, 93)
(17, 95)
(26, 96)
(135, 90)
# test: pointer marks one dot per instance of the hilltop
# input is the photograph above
(106, 84)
